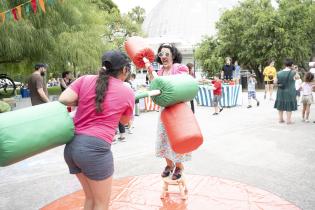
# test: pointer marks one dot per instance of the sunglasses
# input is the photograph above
(166, 54)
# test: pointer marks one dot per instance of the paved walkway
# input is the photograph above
(245, 145)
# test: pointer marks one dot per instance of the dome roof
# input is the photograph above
(187, 20)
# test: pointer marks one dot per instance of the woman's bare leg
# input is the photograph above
(270, 90)
(281, 120)
(266, 90)
(289, 120)
(303, 111)
(88, 203)
(307, 111)
(101, 191)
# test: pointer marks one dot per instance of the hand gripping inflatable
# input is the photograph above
(137, 49)
(168, 90)
(174, 89)
(29, 131)
(182, 128)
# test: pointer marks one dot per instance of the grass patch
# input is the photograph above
(55, 90)
(51, 91)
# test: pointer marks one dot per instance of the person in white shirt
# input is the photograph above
(298, 83)
(307, 97)
(251, 90)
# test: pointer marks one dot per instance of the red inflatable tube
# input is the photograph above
(137, 49)
(182, 128)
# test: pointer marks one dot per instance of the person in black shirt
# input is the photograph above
(65, 81)
(228, 69)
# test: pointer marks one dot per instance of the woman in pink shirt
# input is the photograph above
(103, 101)
(170, 58)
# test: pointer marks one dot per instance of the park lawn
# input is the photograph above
(55, 90)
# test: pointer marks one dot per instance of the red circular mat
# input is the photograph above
(204, 192)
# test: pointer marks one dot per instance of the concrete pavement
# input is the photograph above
(246, 145)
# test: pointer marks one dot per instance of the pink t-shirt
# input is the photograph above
(176, 69)
(119, 100)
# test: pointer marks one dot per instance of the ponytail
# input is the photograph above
(113, 63)
(101, 89)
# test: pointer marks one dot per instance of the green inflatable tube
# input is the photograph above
(29, 131)
(4, 107)
(174, 89)
(141, 95)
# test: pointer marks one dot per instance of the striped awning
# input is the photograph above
(231, 96)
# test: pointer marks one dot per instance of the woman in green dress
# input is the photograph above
(286, 94)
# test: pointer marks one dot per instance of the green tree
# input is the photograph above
(254, 32)
(137, 14)
(105, 5)
(118, 27)
(208, 55)
(69, 36)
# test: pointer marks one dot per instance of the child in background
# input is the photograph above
(298, 83)
(307, 97)
(251, 90)
(217, 94)
(133, 82)
(121, 127)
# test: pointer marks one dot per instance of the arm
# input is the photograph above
(62, 83)
(128, 113)
(40, 89)
(264, 72)
(274, 73)
(151, 73)
(295, 76)
(69, 97)
(42, 94)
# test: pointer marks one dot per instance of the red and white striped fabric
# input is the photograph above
(150, 105)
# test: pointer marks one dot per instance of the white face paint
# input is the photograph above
(166, 57)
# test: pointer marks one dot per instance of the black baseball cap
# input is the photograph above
(115, 59)
(40, 65)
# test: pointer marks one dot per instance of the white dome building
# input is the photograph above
(183, 23)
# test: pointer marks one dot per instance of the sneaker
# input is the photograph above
(177, 174)
(129, 131)
(258, 103)
(122, 139)
(215, 113)
(114, 141)
(167, 171)
(249, 106)
(307, 121)
(221, 109)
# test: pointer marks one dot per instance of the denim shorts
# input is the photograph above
(91, 156)
(251, 94)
